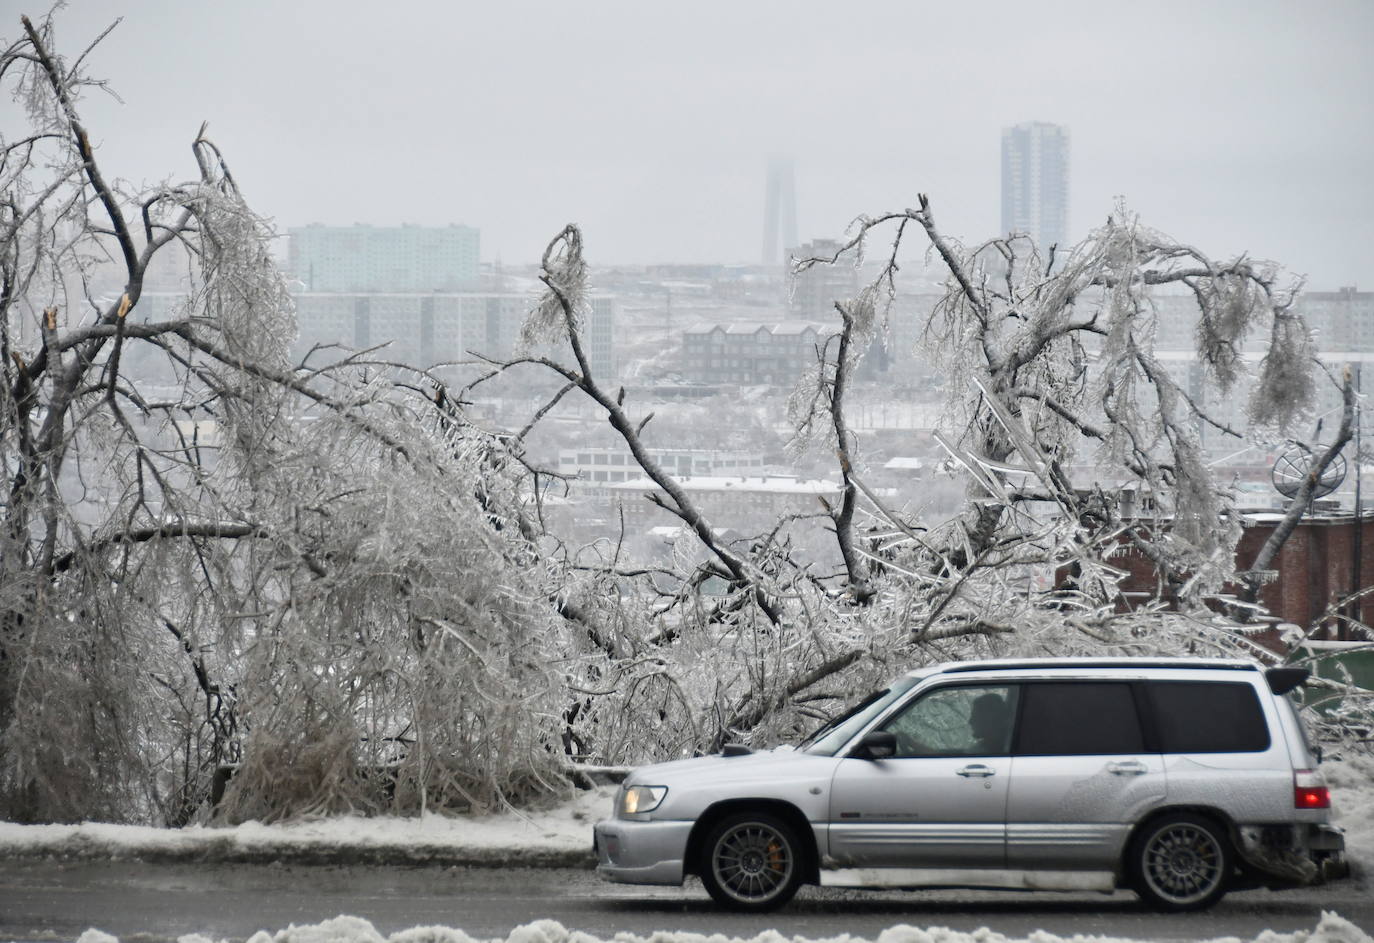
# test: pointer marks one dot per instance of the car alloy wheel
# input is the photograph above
(751, 862)
(1183, 863)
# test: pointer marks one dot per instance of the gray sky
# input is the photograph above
(1235, 126)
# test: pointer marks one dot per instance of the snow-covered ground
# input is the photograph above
(1352, 800)
(1331, 929)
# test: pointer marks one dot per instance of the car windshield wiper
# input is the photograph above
(830, 725)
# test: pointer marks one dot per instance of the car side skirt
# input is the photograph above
(1020, 880)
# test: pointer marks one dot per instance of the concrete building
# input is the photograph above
(424, 329)
(362, 258)
(1342, 323)
(812, 294)
(1035, 183)
(597, 465)
(1341, 319)
(418, 329)
(743, 500)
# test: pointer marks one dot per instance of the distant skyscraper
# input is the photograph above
(1035, 183)
(779, 211)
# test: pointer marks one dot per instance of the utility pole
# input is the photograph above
(1357, 548)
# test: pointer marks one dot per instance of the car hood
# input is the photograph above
(783, 764)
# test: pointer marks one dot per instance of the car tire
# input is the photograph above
(1181, 862)
(752, 861)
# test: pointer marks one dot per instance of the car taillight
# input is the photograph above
(1309, 792)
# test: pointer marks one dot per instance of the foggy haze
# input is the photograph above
(1237, 126)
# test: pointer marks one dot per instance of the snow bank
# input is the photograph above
(1352, 801)
(1331, 929)
(558, 837)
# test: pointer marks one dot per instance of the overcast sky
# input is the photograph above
(1235, 126)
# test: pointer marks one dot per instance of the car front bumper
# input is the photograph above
(641, 852)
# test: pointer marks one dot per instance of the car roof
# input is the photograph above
(1014, 664)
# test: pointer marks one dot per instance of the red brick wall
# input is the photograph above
(1314, 567)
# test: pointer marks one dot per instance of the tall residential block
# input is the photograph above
(1035, 183)
(363, 258)
(812, 294)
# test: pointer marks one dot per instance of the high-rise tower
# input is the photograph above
(779, 211)
(1035, 183)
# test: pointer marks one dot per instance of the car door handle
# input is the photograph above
(1128, 768)
(976, 769)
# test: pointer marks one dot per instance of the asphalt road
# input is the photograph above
(144, 903)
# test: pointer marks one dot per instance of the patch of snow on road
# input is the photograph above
(1331, 929)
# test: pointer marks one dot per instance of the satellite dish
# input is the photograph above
(1295, 464)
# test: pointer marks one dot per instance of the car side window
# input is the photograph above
(1208, 717)
(971, 720)
(1081, 718)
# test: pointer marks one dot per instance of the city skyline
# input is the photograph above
(655, 148)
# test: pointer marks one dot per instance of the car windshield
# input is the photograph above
(835, 734)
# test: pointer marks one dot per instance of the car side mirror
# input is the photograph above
(877, 745)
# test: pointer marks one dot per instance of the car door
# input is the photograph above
(1081, 775)
(940, 802)
(1217, 750)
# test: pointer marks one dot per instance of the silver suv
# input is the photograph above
(1179, 778)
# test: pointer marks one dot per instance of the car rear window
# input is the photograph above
(1080, 718)
(1208, 717)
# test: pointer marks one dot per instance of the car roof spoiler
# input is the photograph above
(1283, 680)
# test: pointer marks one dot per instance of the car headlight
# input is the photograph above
(638, 799)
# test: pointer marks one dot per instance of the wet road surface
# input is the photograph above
(51, 900)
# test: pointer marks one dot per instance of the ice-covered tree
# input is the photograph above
(1051, 360)
(213, 558)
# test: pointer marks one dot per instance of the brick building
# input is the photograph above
(1315, 570)
(751, 354)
